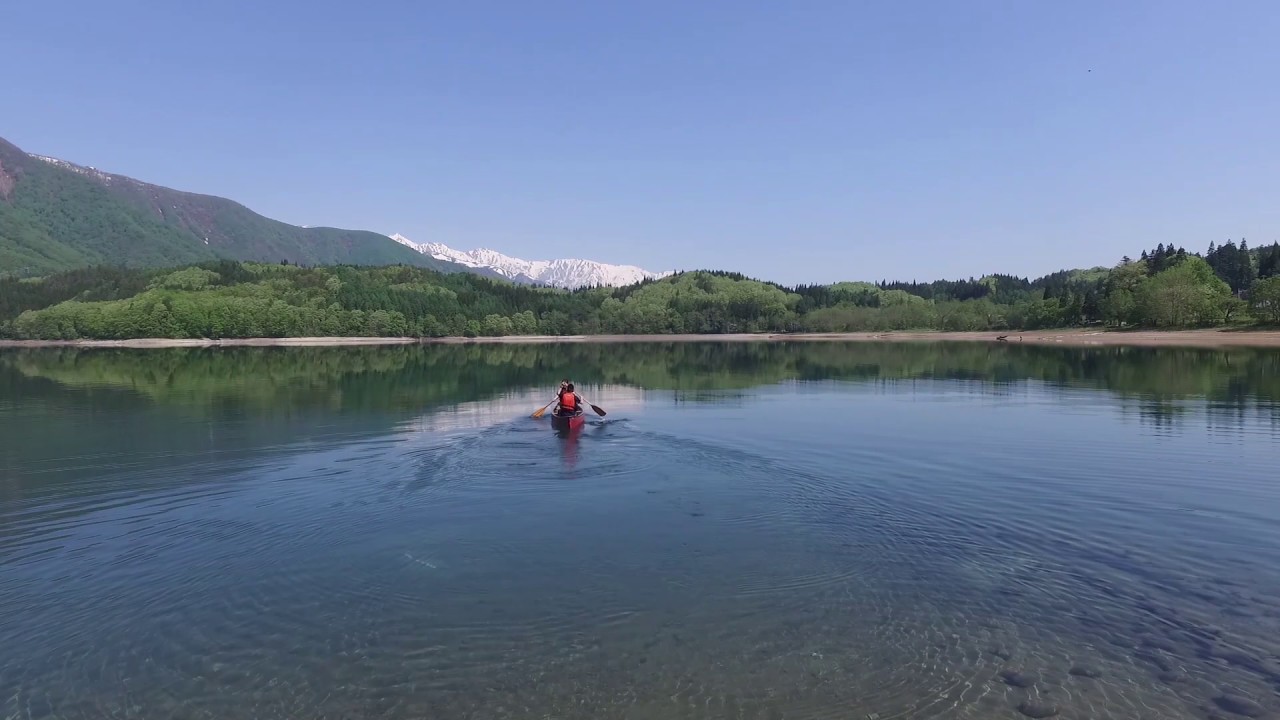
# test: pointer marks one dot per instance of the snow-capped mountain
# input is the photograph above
(565, 273)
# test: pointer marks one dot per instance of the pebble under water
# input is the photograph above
(942, 545)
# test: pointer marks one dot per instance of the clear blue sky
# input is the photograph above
(800, 141)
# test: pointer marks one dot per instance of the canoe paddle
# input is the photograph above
(599, 411)
(541, 412)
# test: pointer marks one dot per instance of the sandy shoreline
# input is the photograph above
(1208, 338)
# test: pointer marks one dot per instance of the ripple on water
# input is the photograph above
(485, 575)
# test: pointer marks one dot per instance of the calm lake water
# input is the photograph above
(753, 531)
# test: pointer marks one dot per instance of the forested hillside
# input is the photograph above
(229, 273)
(1164, 288)
(55, 216)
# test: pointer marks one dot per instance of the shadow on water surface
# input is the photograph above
(756, 531)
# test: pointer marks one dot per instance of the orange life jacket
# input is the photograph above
(568, 401)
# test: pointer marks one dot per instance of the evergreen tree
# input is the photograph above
(1269, 261)
(1246, 275)
(1223, 261)
(1156, 262)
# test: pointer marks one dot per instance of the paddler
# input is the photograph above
(569, 402)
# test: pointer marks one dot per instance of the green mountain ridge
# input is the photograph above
(56, 215)
(119, 258)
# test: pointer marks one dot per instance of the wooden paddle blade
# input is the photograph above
(598, 410)
(539, 412)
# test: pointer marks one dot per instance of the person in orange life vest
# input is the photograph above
(569, 401)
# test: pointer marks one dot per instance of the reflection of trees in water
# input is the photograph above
(1159, 413)
(163, 407)
(1233, 384)
(705, 397)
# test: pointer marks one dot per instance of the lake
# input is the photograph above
(867, 531)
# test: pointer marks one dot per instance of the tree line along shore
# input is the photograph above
(1230, 287)
(1191, 338)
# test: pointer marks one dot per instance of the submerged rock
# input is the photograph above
(1037, 710)
(1247, 661)
(1239, 705)
(1085, 671)
(1001, 653)
(1159, 643)
(1017, 678)
(1155, 658)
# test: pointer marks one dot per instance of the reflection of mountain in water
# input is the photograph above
(283, 381)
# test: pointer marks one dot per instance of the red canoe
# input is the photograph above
(571, 421)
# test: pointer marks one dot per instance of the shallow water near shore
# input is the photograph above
(754, 530)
